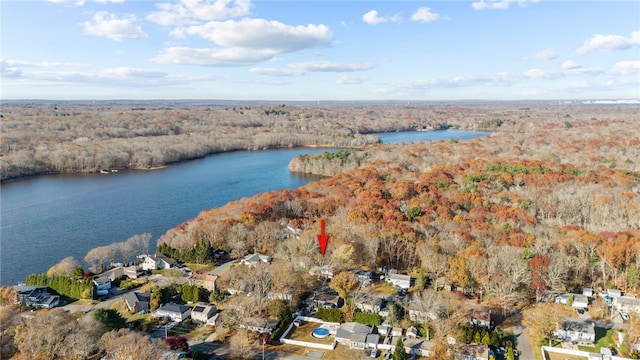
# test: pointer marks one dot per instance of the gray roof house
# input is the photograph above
(35, 296)
(173, 312)
(576, 330)
(627, 304)
(419, 347)
(369, 303)
(204, 313)
(260, 325)
(255, 258)
(137, 301)
(353, 334)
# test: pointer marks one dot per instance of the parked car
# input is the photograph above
(624, 316)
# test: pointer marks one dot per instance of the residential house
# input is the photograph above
(207, 281)
(280, 296)
(132, 272)
(627, 304)
(614, 292)
(472, 352)
(372, 340)
(103, 284)
(137, 301)
(158, 262)
(35, 296)
(369, 303)
(412, 332)
(418, 313)
(325, 270)
(419, 347)
(173, 312)
(255, 258)
(396, 331)
(588, 292)
(578, 301)
(323, 299)
(399, 280)
(383, 330)
(576, 330)
(261, 325)
(204, 313)
(353, 334)
(364, 277)
(480, 318)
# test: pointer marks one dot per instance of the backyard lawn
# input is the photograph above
(604, 338)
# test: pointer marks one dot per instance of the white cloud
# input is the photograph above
(298, 69)
(544, 55)
(212, 57)
(626, 67)
(112, 27)
(609, 43)
(350, 80)
(424, 14)
(570, 65)
(260, 34)
(372, 18)
(190, 11)
(499, 4)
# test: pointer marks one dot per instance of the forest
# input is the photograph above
(71, 137)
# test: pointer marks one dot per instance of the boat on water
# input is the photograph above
(104, 172)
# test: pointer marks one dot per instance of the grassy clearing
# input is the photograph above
(200, 268)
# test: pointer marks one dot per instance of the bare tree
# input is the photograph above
(125, 344)
(64, 267)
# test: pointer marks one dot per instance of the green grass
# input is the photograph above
(604, 338)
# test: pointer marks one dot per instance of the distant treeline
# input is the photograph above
(81, 137)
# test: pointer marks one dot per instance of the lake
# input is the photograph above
(47, 218)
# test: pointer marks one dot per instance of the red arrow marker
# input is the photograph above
(322, 238)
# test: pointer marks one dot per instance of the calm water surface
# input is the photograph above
(45, 219)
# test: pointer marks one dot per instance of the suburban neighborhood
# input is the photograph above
(375, 314)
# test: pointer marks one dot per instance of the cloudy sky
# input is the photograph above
(320, 50)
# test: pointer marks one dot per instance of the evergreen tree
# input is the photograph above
(399, 353)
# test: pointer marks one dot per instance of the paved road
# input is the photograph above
(523, 343)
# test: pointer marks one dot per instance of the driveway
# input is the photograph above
(523, 343)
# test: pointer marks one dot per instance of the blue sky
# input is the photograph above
(320, 50)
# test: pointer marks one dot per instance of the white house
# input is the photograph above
(577, 331)
(158, 262)
(204, 313)
(255, 258)
(419, 347)
(580, 301)
(627, 304)
(173, 312)
(399, 280)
